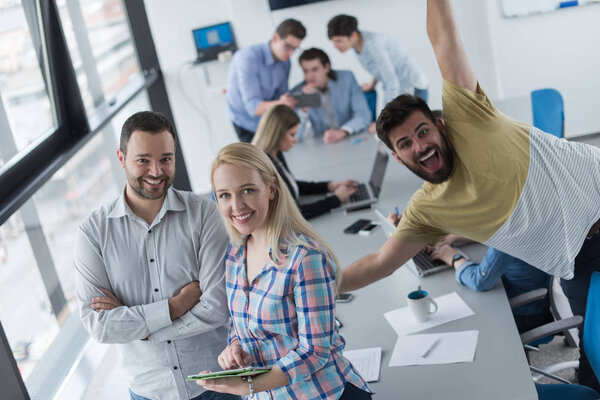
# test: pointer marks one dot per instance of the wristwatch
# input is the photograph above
(456, 258)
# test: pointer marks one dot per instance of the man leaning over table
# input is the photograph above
(150, 271)
(490, 179)
(258, 78)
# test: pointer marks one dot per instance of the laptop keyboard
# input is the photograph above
(426, 266)
(361, 194)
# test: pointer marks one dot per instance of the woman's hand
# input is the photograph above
(345, 189)
(394, 218)
(233, 385)
(234, 357)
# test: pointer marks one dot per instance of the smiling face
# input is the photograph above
(283, 48)
(289, 139)
(423, 147)
(149, 164)
(243, 198)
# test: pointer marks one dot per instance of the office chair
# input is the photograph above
(371, 97)
(592, 348)
(561, 310)
(548, 111)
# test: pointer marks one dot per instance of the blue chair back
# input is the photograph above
(591, 327)
(548, 111)
(371, 97)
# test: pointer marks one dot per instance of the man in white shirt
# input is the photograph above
(150, 271)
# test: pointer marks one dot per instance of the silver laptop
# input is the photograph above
(368, 193)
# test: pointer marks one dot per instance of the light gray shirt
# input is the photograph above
(144, 265)
(390, 64)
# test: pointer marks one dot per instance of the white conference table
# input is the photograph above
(499, 370)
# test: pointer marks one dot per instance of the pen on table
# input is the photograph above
(430, 348)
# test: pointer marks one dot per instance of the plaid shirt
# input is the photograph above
(285, 317)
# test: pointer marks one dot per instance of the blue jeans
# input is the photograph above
(351, 392)
(422, 93)
(576, 290)
(208, 395)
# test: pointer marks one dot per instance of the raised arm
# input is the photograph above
(392, 255)
(447, 46)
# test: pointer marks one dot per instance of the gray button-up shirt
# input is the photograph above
(144, 265)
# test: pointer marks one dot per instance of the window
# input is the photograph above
(101, 47)
(23, 92)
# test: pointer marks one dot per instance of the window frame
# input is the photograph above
(22, 175)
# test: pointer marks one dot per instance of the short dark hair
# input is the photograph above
(318, 54)
(396, 112)
(147, 121)
(291, 27)
(342, 25)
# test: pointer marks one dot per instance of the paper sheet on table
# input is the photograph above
(450, 307)
(366, 361)
(453, 347)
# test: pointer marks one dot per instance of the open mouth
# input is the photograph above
(431, 161)
(242, 218)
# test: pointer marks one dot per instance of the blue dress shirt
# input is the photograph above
(254, 76)
(518, 278)
(348, 103)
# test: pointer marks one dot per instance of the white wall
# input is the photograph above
(510, 56)
(558, 49)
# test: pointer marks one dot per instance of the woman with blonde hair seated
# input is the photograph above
(276, 134)
(281, 280)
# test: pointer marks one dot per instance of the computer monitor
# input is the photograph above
(212, 40)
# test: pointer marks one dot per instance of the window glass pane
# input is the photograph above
(23, 92)
(101, 47)
(25, 309)
(91, 178)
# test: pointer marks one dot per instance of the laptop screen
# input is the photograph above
(378, 171)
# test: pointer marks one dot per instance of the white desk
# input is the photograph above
(499, 370)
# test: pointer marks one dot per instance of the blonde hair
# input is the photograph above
(284, 220)
(273, 126)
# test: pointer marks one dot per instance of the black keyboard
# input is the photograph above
(361, 194)
(426, 266)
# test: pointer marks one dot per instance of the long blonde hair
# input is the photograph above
(284, 220)
(273, 126)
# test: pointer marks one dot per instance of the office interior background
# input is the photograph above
(71, 71)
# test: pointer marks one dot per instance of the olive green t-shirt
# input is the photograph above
(490, 169)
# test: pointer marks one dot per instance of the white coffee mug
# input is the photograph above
(420, 305)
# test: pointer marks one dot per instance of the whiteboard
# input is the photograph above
(522, 8)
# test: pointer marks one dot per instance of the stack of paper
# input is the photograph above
(439, 348)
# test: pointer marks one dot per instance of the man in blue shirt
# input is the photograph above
(517, 276)
(343, 110)
(258, 78)
(382, 57)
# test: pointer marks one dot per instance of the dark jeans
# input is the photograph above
(243, 134)
(576, 289)
(528, 322)
(351, 392)
(208, 395)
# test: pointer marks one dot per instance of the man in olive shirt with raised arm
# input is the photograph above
(150, 271)
(490, 179)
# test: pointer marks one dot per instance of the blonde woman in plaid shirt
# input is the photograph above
(281, 284)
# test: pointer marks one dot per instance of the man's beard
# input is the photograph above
(441, 175)
(137, 185)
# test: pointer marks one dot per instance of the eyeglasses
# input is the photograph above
(290, 47)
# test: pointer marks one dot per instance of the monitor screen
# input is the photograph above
(211, 40)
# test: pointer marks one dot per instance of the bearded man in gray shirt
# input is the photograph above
(150, 271)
